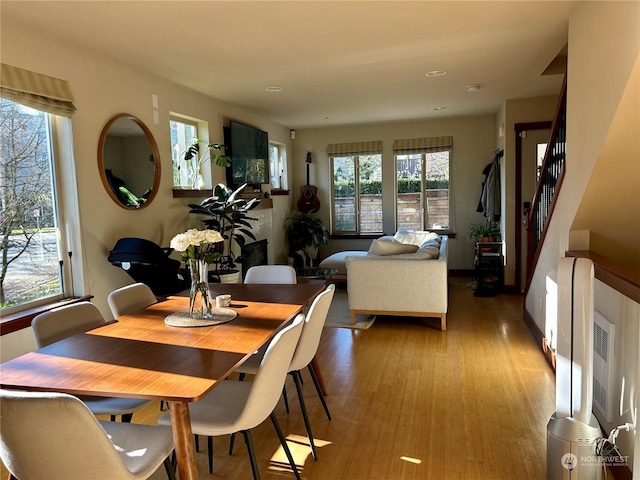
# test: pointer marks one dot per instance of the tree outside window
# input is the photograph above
(31, 266)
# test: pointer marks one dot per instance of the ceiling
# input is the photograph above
(337, 62)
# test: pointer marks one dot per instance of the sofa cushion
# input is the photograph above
(337, 260)
(387, 247)
(415, 237)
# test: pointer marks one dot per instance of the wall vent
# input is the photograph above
(603, 341)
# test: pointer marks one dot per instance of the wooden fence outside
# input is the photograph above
(409, 211)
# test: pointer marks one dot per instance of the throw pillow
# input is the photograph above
(386, 247)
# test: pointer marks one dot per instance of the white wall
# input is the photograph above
(604, 41)
(474, 141)
(102, 88)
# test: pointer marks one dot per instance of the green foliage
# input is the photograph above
(304, 230)
(227, 213)
(487, 229)
(216, 153)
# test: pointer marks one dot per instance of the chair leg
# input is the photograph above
(231, 441)
(284, 397)
(196, 441)
(210, 453)
(319, 390)
(296, 379)
(252, 454)
(283, 442)
(168, 466)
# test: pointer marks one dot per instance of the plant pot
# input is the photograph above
(233, 276)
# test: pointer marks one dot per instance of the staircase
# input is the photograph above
(548, 187)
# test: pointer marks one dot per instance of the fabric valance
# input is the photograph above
(354, 148)
(421, 145)
(42, 92)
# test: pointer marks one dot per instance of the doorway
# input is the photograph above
(531, 142)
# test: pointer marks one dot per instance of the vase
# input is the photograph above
(200, 303)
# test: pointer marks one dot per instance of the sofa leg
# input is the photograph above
(443, 322)
(353, 317)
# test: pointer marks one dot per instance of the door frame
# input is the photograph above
(519, 128)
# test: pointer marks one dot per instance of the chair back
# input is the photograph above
(266, 387)
(130, 298)
(274, 274)
(312, 331)
(54, 435)
(63, 322)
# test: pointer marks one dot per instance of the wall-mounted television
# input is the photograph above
(248, 148)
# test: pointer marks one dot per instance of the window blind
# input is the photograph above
(49, 94)
(421, 145)
(354, 148)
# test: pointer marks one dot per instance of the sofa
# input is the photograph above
(403, 275)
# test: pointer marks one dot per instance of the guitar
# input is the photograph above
(308, 202)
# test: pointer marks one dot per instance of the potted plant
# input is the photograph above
(306, 233)
(194, 160)
(228, 214)
(484, 232)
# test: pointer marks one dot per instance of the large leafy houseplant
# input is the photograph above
(227, 213)
(306, 231)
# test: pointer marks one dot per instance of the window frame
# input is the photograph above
(64, 197)
(357, 195)
(423, 179)
(175, 163)
(280, 164)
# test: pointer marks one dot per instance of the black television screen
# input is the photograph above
(249, 151)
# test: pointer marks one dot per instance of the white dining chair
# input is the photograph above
(274, 274)
(305, 351)
(235, 406)
(72, 444)
(129, 298)
(59, 323)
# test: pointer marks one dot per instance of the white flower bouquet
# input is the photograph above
(197, 245)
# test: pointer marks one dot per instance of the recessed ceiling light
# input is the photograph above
(439, 108)
(323, 118)
(273, 89)
(473, 87)
(436, 73)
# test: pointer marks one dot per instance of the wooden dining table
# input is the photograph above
(139, 356)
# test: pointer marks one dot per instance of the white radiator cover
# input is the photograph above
(603, 346)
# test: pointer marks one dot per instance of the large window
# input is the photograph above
(356, 188)
(422, 183)
(32, 259)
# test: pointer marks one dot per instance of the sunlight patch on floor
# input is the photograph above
(300, 451)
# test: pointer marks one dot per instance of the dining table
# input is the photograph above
(139, 356)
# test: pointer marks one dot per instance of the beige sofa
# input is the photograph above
(403, 284)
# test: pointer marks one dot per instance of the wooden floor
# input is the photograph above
(411, 402)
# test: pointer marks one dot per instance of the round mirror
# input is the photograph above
(128, 161)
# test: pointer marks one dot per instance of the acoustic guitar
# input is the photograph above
(308, 202)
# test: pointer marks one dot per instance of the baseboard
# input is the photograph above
(549, 354)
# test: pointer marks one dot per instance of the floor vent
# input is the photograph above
(603, 338)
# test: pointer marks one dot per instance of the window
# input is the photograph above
(277, 166)
(182, 134)
(422, 183)
(29, 240)
(356, 187)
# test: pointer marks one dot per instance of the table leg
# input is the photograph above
(316, 369)
(183, 440)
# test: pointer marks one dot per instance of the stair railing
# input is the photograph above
(549, 182)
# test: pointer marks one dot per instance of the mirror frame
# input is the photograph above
(156, 160)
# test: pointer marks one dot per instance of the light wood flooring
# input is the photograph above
(411, 402)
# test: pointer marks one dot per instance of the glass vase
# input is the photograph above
(200, 303)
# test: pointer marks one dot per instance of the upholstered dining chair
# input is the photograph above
(283, 274)
(62, 322)
(72, 444)
(305, 351)
(235, 406)
(129, 298)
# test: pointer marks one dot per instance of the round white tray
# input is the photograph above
(218, 316)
